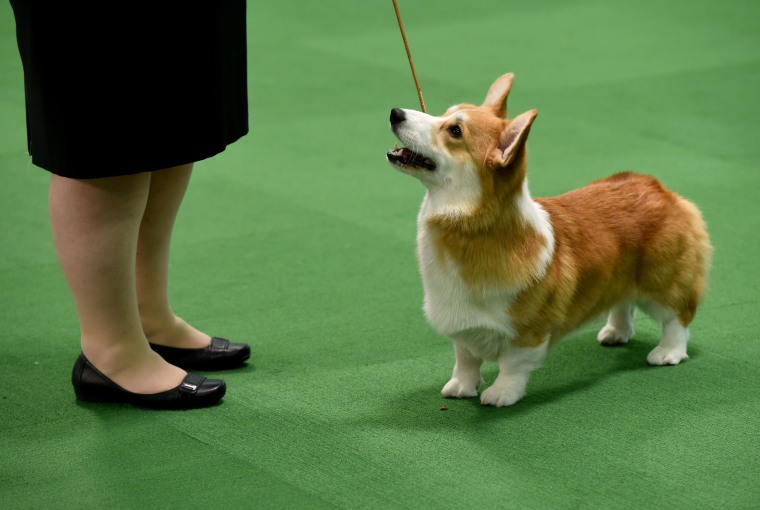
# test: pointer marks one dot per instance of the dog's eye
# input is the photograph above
(455, 131)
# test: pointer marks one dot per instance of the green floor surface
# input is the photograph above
(300, 239)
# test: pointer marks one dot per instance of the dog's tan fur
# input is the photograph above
(623, 239)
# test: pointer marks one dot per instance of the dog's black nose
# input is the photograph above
(397, 115)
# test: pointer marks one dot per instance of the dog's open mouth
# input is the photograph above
(409, 159)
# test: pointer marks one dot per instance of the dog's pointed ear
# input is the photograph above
(496, 98)
(512, 138)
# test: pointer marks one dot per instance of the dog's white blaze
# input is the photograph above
(417, 131)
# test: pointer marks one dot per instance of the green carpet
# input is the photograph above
(300, 239)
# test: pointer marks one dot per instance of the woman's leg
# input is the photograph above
(161, 326)
(95, 224)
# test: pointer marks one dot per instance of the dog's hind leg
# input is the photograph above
(466, 378)
(619, 326)
(515, 366)
(672, 347)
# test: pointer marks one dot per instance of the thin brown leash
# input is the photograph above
(409, 56)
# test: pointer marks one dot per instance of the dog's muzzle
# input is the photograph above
(404, 157)
(397, 116)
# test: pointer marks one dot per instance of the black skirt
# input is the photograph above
(119, 88)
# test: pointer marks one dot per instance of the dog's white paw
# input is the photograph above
(501, 394)
(457, 388)
(610, 335)
(666, 356)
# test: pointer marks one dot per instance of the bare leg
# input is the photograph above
(466, 378)
(95, 225)
(160, 325)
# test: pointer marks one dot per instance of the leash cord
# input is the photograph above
(409, 56)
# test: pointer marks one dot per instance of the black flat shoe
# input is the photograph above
(220, 355)
(195, 391)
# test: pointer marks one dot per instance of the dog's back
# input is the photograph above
(623, 238)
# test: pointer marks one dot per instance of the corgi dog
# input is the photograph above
(506, 275)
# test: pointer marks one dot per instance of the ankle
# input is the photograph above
(115, 356)
(175, 333)
(139, 373)
(157, 323)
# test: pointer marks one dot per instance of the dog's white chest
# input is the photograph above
(475, 313)
(450, 304)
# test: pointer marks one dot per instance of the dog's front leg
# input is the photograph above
(466, 378)
(516, 363)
